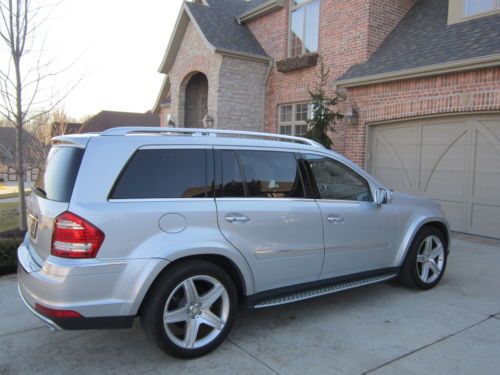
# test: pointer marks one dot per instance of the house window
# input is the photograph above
(293, 118)
(304, 27)
(473, 7)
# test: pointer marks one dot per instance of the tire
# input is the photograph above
(190, 312)
(419, 258)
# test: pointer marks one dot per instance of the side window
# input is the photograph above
(164, 173)
(336, 181)
(271, 174)
(230, 182)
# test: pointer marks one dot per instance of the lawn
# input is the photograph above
(9, 216)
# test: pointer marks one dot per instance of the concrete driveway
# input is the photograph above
(382, 329)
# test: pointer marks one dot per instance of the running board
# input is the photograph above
(322, 291)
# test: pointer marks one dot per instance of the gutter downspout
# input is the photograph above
(266, 80)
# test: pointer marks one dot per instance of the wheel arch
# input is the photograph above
(235, 273)
(433, 222)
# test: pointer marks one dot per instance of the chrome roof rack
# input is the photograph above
(205, 132)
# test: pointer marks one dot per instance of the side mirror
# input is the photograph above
(384, 196)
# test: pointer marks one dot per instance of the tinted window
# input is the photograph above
(56, 179)
(231, 182)
(270, 174)
(164, 174)
(336, 181)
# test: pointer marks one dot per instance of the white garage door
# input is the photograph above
(453, 160)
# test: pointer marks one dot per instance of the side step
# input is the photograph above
(322, 291)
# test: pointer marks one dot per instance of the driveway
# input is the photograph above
(381, 329)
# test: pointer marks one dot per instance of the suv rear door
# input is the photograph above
(51, 196)
(264, 212)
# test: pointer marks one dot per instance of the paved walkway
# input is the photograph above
(382, 329)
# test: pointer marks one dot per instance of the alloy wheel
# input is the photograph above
(430, 259)
(196, 311)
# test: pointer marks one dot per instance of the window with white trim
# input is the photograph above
(293, 119)
(304, 27)
(473, 7)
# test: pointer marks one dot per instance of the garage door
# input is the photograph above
(453, 160)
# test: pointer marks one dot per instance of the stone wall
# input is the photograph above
(193, 56)
(236, 85)
(241, 94)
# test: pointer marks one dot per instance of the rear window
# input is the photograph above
(271, 174)
(164, 174)
(56, 179)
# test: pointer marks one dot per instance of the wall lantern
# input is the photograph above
(351, 115)
(208, 121)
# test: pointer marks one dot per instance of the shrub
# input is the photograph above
(8, 254)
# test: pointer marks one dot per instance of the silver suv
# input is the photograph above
(182, 226)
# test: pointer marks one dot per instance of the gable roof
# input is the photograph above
(110, 119)
(424, 39)
(217, 22)
(219, 25)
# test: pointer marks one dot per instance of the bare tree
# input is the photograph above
(23, 91)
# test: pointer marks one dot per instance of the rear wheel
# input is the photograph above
(425, 262)
(190, 309)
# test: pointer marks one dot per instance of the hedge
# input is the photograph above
(8, 254)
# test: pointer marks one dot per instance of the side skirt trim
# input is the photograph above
(319, 288)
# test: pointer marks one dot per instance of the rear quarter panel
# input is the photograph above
(136, 229)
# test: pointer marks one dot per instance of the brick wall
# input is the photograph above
(349, 32)
(468, 92)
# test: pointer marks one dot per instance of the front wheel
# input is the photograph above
(425, 262)
(190, 309)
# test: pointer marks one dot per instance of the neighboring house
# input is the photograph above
(422, 80)
(110, 119)
(33, 151)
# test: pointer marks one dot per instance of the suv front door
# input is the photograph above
(263, 211)
(359, 235)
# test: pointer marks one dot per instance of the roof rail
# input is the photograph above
(204, 132)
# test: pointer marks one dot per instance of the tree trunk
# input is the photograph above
(19, 145)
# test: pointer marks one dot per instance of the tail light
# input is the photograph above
(75, 237)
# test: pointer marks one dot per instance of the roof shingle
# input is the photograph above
(424, 38)
(219, 25)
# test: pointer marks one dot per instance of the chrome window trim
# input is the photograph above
(357, 170)
(264, 199)
(136, 200)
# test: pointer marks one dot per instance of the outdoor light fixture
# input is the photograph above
(351, 116)
(208, 121)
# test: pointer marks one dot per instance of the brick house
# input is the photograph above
(422, 80)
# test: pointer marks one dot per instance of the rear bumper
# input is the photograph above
(107, 294)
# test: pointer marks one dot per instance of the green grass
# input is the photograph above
(9, 216)
(13, 195)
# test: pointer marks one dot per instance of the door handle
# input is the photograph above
(235, 218)
(335, 219)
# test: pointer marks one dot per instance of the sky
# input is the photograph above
(111, 50)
